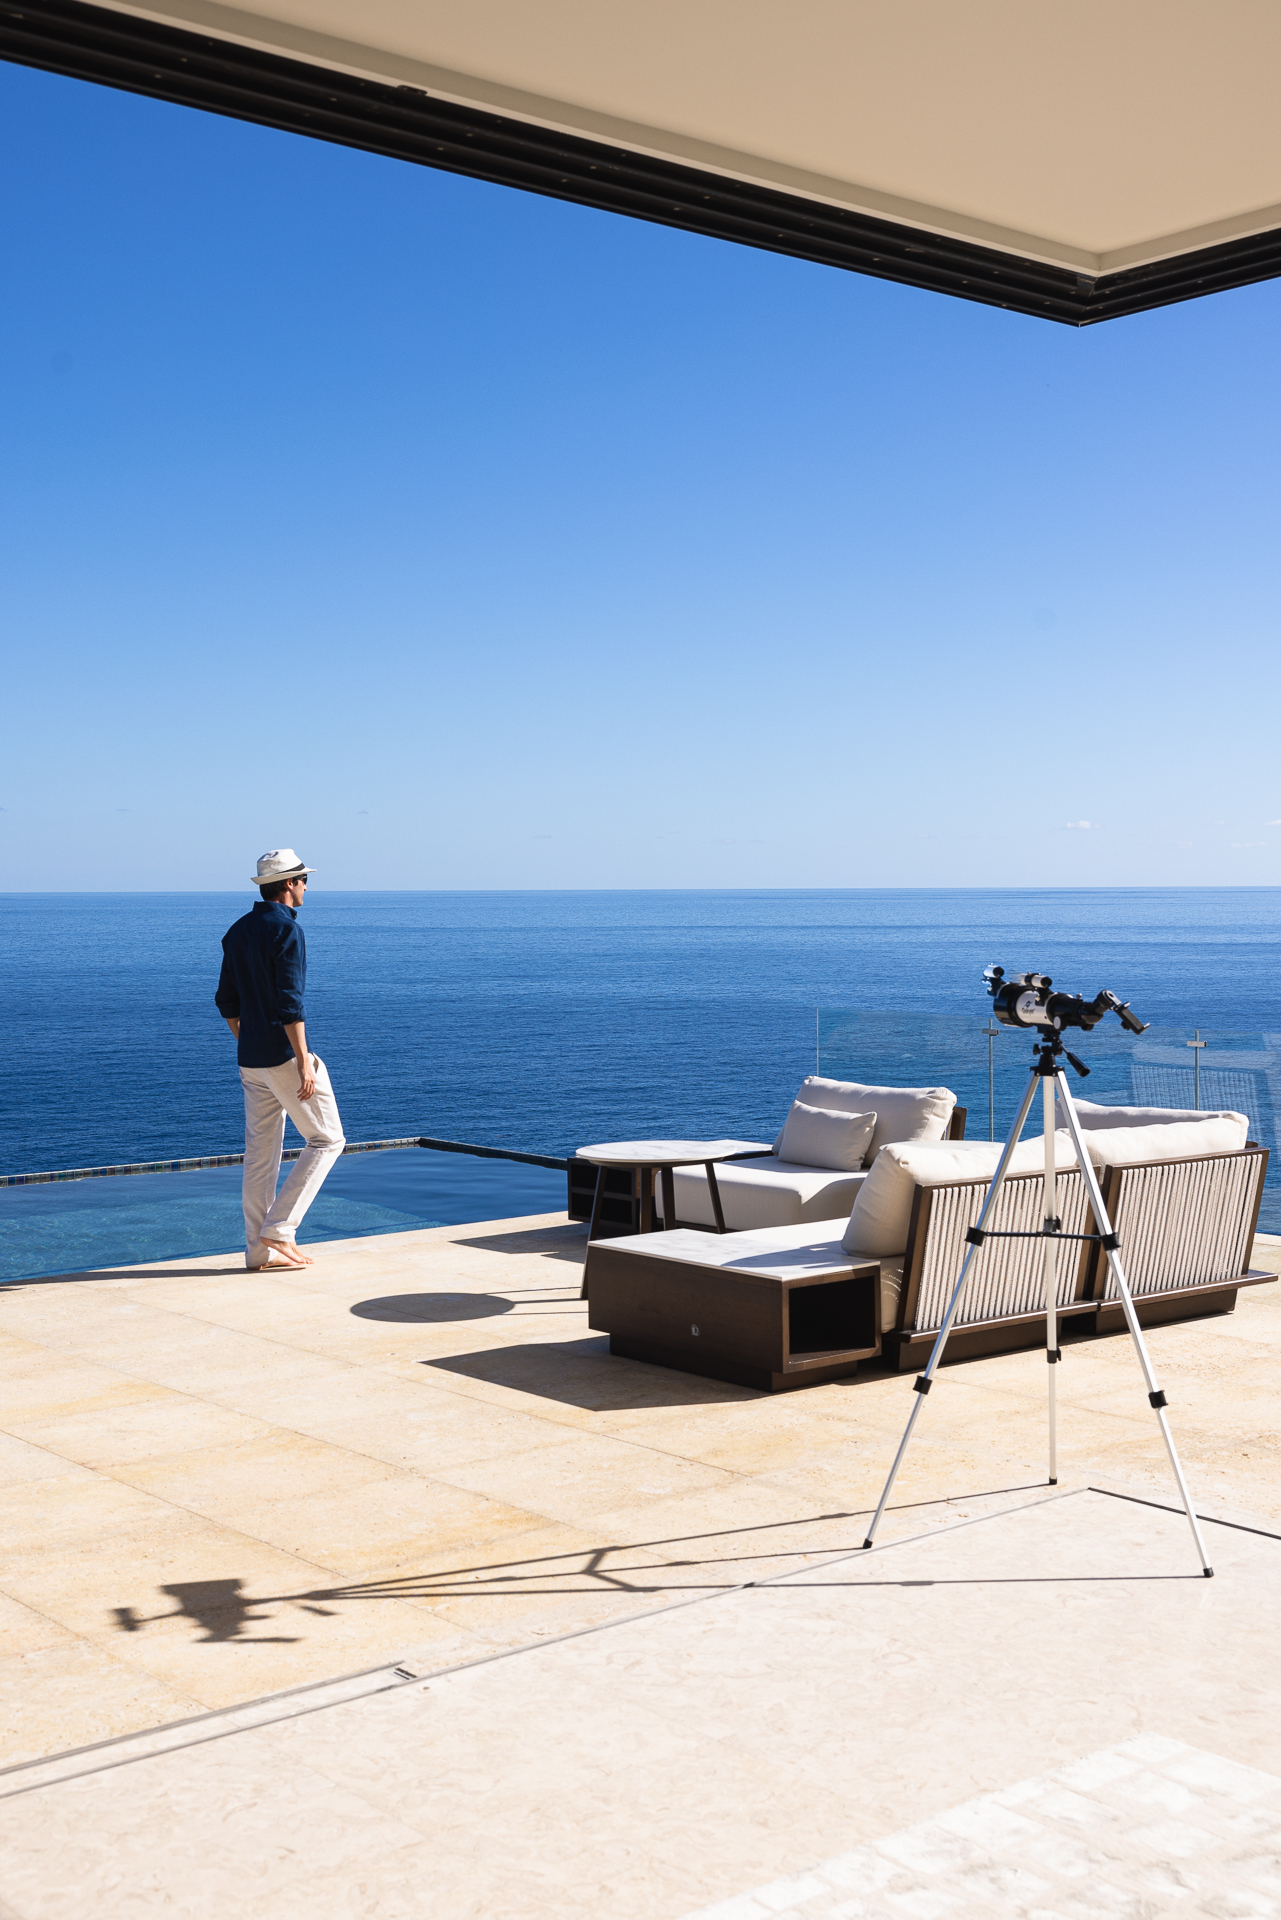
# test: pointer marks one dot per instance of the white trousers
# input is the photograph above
(270, 1094)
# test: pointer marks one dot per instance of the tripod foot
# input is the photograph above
(1207, 1571)
(868, 1541)
(1053, 1480)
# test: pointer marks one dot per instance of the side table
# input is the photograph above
(645, 1158)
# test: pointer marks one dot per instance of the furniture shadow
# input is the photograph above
(433, 1308)
(583, 1373)
(550, 1242)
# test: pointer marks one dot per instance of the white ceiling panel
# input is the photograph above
(1103, 141)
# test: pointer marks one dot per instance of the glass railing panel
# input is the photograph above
(1182, 1067)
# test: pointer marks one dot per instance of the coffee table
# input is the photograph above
(777, 1308)
(648, 1157)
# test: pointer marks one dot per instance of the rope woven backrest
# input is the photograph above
(1007, 1276)
(1183, 1223)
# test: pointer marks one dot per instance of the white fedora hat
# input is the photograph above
(283, 864)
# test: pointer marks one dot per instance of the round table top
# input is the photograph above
(665, 1153)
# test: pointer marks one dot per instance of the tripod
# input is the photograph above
(1049, 1071)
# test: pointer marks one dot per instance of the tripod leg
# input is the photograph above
(1051, 1268)
(1155, 1395)
(926, 1380)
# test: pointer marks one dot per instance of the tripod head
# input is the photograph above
(1027, 1000)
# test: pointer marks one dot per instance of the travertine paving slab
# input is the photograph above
(225, 1484)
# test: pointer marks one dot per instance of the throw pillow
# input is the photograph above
(819, 1137)
(902, 1113)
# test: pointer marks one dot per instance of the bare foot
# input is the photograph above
(283, 1253)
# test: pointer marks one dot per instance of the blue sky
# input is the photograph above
(461, 538)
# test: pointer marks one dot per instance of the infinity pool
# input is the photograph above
(74, 1225)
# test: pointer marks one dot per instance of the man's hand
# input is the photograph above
(234, 1025)
(296, 1034)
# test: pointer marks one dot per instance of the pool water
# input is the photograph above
(72, 1226)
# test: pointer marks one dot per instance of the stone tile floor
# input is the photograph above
(1147, 1827)
(926, 1719)
(417, 1453)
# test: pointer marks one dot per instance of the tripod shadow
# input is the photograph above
(224, 1612)
(220, 1607)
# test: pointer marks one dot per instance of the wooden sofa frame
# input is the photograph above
(1186, 1238)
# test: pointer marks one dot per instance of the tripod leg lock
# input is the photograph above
(1157, 1399)
(975, 1236)
(1110, 1242)
(921, 1384)
(1054, 1355)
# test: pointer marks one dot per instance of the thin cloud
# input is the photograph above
(1086, 824)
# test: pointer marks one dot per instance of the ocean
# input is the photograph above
(542, 1021)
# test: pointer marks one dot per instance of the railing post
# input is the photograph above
(992, 1031)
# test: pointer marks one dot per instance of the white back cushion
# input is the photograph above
(902, 1113)
(819, 1137)
(1091, 1116)
(1122, 1146)
(882, 1213)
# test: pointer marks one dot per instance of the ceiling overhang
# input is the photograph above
(820, 130)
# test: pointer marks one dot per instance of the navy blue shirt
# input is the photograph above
(264, 972)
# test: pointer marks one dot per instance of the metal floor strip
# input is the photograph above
(1163, 1506)
(157, 1744)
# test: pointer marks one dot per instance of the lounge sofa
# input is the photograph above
(1183, 1193)
(782, 1188)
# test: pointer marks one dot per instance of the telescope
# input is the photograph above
(1027, 1000)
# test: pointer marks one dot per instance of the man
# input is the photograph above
(260, 994)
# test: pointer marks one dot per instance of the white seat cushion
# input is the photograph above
(785, 1252)
(882, 1213)
(823, 1137)
(765, 1192)
(902, 1113)
(1122, 1146)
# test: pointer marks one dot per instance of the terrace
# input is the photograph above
(383, 1588)
(385, 1583)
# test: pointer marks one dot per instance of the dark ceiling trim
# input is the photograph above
(196, 70)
